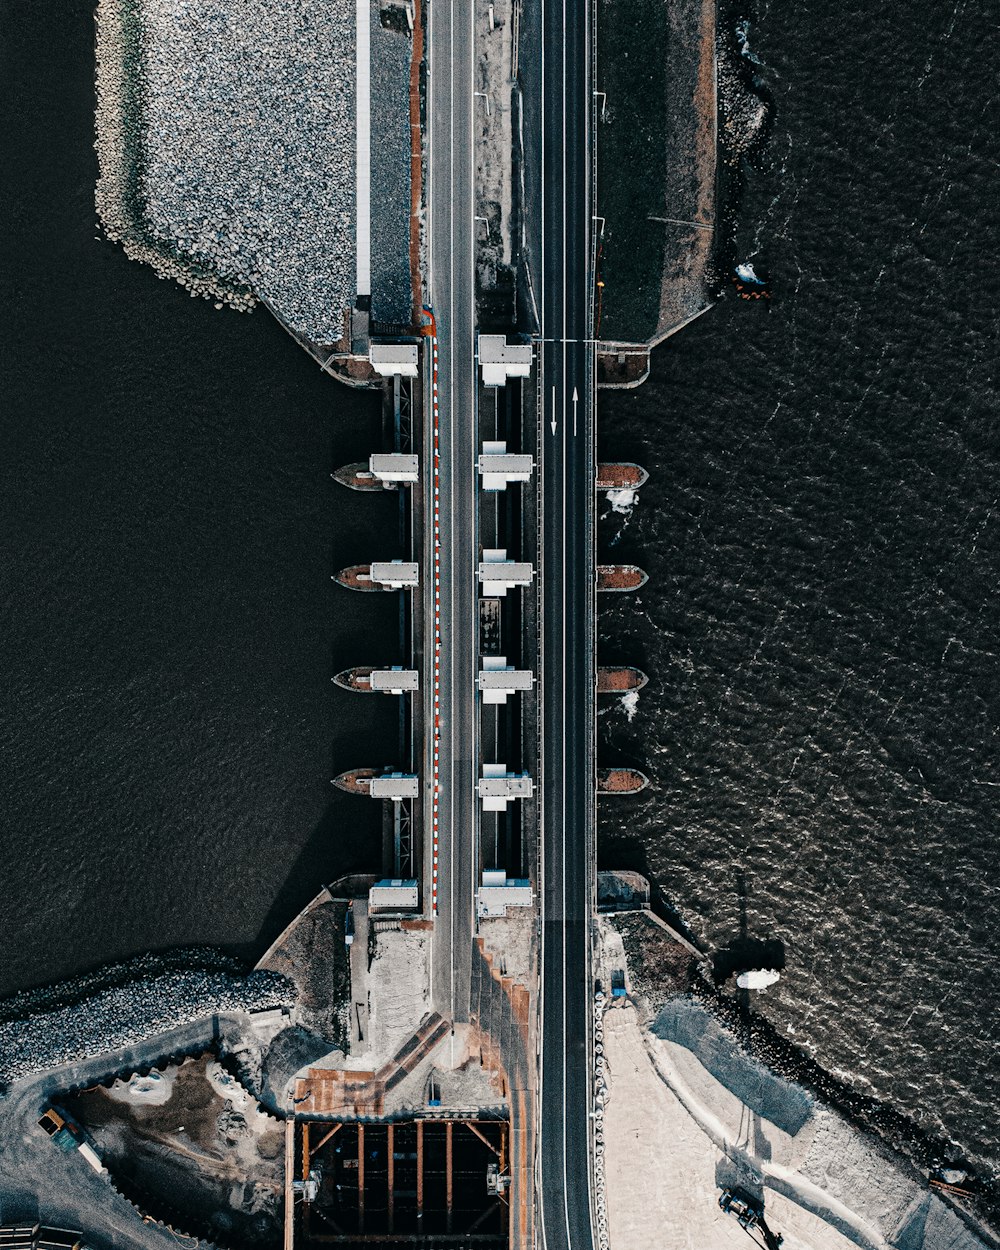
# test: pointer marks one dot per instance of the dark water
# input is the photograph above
(822, 533)
(168, 626)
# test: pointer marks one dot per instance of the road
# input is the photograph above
(567, 628)
(451, 266)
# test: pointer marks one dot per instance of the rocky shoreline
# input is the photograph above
(664, 974)
(122, 1005)
(120, 155)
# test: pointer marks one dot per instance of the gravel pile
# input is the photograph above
(226, 139)
(122, 1007)
(120, 149)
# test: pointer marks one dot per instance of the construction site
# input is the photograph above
(356, 1115)
(401, 1181)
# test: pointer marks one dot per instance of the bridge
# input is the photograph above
(560, 242)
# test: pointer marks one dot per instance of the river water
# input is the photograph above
(821, 531)
(167, 620)
(822, 534)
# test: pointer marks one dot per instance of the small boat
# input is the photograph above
(367, 680)
(356, 780)
(358, 679)
(356, 477)
(620, 577)
(620, 680)
(621, 781)
(622, 476)
(358, 577)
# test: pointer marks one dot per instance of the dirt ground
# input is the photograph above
(494, 154)
(398, 993)
(204, 1153)
(510, 940)
(311, 953)
(658, 967)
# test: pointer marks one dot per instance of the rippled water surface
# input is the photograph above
(823, 538)
(168, 627)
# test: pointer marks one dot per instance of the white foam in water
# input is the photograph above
(622, 501)
(630, 702)
(759, 979)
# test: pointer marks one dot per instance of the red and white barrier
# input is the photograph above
(436, 533)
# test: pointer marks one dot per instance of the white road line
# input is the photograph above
(563, 753)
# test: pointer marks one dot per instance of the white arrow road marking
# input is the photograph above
(552, 423)
(576, 400)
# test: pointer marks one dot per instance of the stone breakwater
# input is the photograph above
(225, 138)
(122, 1006)
(120, 155)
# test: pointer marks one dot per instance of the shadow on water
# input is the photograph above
(633, 653)
(169, 529)
(346, 839)
(745, 953)
(629, 855)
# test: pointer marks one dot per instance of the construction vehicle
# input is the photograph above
(749, 1214)
(497, 1182)
(69, 1136)
(64, 1133)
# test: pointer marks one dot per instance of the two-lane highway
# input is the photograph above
(451, 266)
(567, 628)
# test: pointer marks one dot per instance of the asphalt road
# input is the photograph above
(452, 293)
(567, 628)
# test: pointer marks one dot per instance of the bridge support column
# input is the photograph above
(361, 1178)
(391, 1165)
(448, 1172)
(420, 1176)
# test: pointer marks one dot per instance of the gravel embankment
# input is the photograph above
(120, 145)
(226, 137)
(120, 1007)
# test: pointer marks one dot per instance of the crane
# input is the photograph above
(750, 1216)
